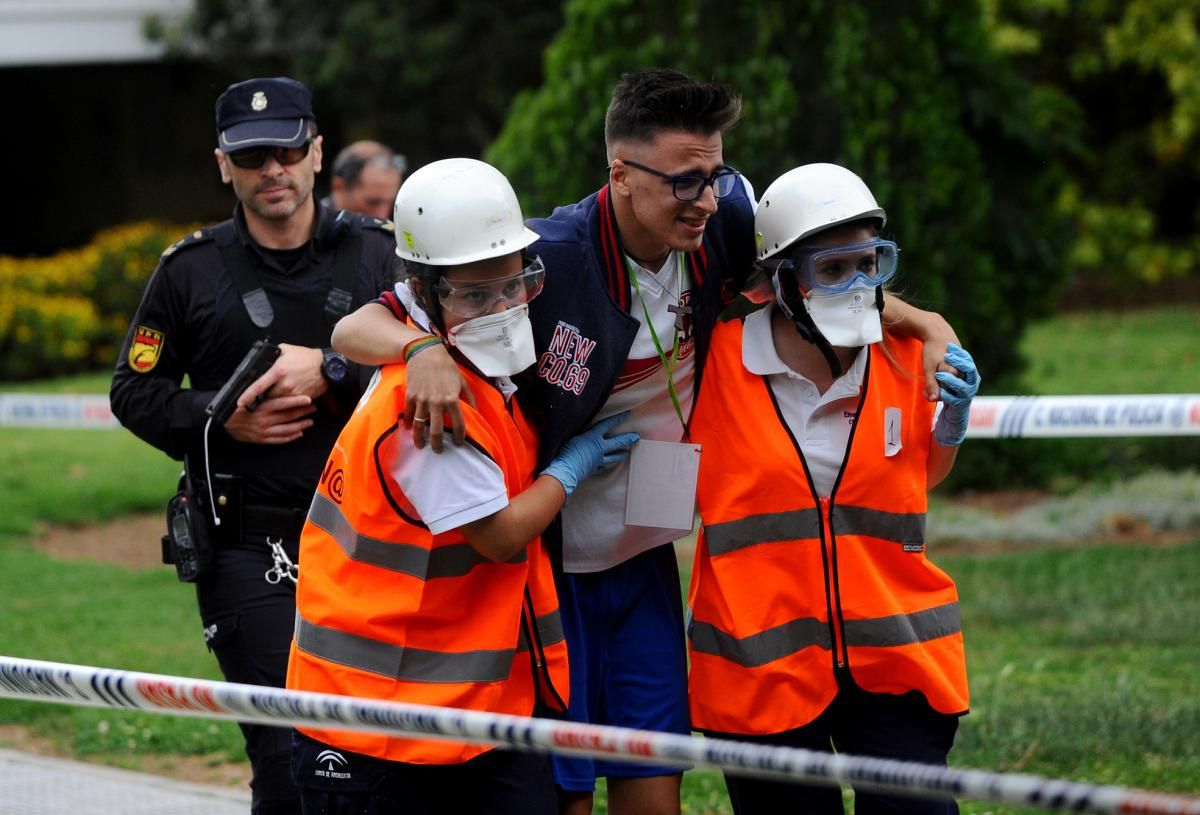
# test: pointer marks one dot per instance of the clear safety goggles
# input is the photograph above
(479, 298)
(835, 269)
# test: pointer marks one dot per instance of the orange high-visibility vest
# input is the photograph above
(388, 610)
(787, 587)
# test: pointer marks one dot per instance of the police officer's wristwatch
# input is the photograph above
(334, 366)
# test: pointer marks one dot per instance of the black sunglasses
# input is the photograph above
(691, 187)
(256, 157)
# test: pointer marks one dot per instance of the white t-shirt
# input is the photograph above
(454, 487)
(595, 536)
(820, 422)
(449, 489)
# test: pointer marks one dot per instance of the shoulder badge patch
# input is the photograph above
(146, 347)
(186, 240)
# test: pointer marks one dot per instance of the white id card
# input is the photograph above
(893, 434)
(662, 485)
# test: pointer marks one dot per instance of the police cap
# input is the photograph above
(265, 112)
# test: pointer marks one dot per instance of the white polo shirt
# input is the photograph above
(820, 422)
(452, 488)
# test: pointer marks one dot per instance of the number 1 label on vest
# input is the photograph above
(892, 434)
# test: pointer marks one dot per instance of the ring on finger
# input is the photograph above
(419, 420)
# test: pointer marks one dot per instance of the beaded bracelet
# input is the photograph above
(420, 344)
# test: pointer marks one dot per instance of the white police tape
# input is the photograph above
(67, 410)
(155, 693)
(1010, 417)
(991, 416)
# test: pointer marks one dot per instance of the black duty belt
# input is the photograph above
(261, 519)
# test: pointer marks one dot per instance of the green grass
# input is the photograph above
(1083, 661)
(1083, 664)
(95, 614)
(95, 382)
(1146, 351)
(78, 476)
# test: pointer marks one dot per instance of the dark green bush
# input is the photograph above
(910, 95)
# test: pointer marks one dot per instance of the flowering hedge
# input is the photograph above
(68, 313)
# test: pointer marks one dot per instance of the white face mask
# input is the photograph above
(847, 319)
(497, 344)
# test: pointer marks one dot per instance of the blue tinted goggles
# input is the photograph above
(835, 269)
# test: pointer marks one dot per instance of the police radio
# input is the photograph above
(188, 542)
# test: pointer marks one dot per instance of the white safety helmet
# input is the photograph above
(806, 200)
(456, 211)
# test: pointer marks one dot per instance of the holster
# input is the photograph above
(227, 493)
(192, 536)
(188, 543)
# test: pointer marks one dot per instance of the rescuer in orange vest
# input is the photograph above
(816, 619)
(422, 576)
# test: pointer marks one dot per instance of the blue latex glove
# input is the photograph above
(591, 450)
(957, 393)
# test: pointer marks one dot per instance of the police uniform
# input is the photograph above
(192, 322)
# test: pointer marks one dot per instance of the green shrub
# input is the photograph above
(911, 95)
(69, 312)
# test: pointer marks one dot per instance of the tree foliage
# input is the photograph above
(1131, 69)
(431, 77)
(909, 94)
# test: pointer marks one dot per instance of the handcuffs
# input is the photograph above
(283, 566)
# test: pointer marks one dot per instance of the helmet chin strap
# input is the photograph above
(791, 301)
(808, 330)
(793, 306)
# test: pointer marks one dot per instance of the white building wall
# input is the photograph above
(65, 32)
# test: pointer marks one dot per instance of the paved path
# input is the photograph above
(37, 785)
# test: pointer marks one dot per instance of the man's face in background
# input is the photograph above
(373, 193)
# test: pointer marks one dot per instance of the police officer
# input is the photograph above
(284, 268)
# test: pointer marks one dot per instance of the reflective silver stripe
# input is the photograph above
(904, 629)
(398, 662)
(776, 526)
(763, 647)
(301, 127)
(550, 628)
(455, 560)
(901, 527)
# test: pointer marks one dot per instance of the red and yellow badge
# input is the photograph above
(147, 345)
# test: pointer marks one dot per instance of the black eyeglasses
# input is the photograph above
(256, 157)
(691, 187)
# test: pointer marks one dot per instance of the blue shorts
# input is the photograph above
(624, 629)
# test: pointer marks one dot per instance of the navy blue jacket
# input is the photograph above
(582, 327)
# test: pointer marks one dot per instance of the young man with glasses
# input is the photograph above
(282, 268)
(636, 275)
